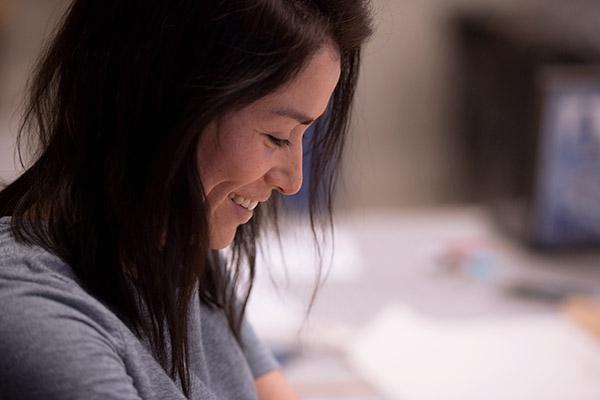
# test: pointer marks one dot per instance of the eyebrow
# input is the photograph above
(302, 118)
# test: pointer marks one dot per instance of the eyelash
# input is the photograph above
(278, 142)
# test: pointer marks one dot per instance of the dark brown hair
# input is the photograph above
(116, 107)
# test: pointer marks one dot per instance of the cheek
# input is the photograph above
(227, 168)
(206, 156)
(218, 164)
(235, 169)
(243, 161)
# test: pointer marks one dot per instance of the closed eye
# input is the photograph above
(277, 141)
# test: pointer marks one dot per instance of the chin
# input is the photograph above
(221, 240)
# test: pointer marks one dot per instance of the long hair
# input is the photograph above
(116, 106)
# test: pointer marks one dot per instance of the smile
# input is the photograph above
(248, 204)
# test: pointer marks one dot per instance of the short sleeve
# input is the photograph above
(53, 348)
(260, 358)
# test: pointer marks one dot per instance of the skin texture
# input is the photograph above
(257, 149)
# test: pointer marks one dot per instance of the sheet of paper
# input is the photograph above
(410, 357)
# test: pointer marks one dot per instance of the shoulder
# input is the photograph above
(22, 261)
(50, 328)
(37, 285)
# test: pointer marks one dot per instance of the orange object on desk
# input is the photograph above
(585, 311)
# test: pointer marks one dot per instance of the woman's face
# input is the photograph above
(246, 154)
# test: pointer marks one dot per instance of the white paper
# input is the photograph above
(410, 357)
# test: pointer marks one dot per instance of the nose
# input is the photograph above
(286, 176)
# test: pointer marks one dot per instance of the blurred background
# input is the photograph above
(466, 262)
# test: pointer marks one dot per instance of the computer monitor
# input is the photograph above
(566, 201)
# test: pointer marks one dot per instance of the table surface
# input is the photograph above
(448, 263)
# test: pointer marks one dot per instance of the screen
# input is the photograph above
(567, 195)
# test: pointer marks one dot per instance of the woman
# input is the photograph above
(165, 131)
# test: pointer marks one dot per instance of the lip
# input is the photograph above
(243, 213)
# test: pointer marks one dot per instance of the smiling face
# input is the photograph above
(245, 154)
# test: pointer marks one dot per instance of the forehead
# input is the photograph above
(309, 92)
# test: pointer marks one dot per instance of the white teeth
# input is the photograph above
(238, 200)
(242, 201)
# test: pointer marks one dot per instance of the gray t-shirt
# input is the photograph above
(58, 342)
